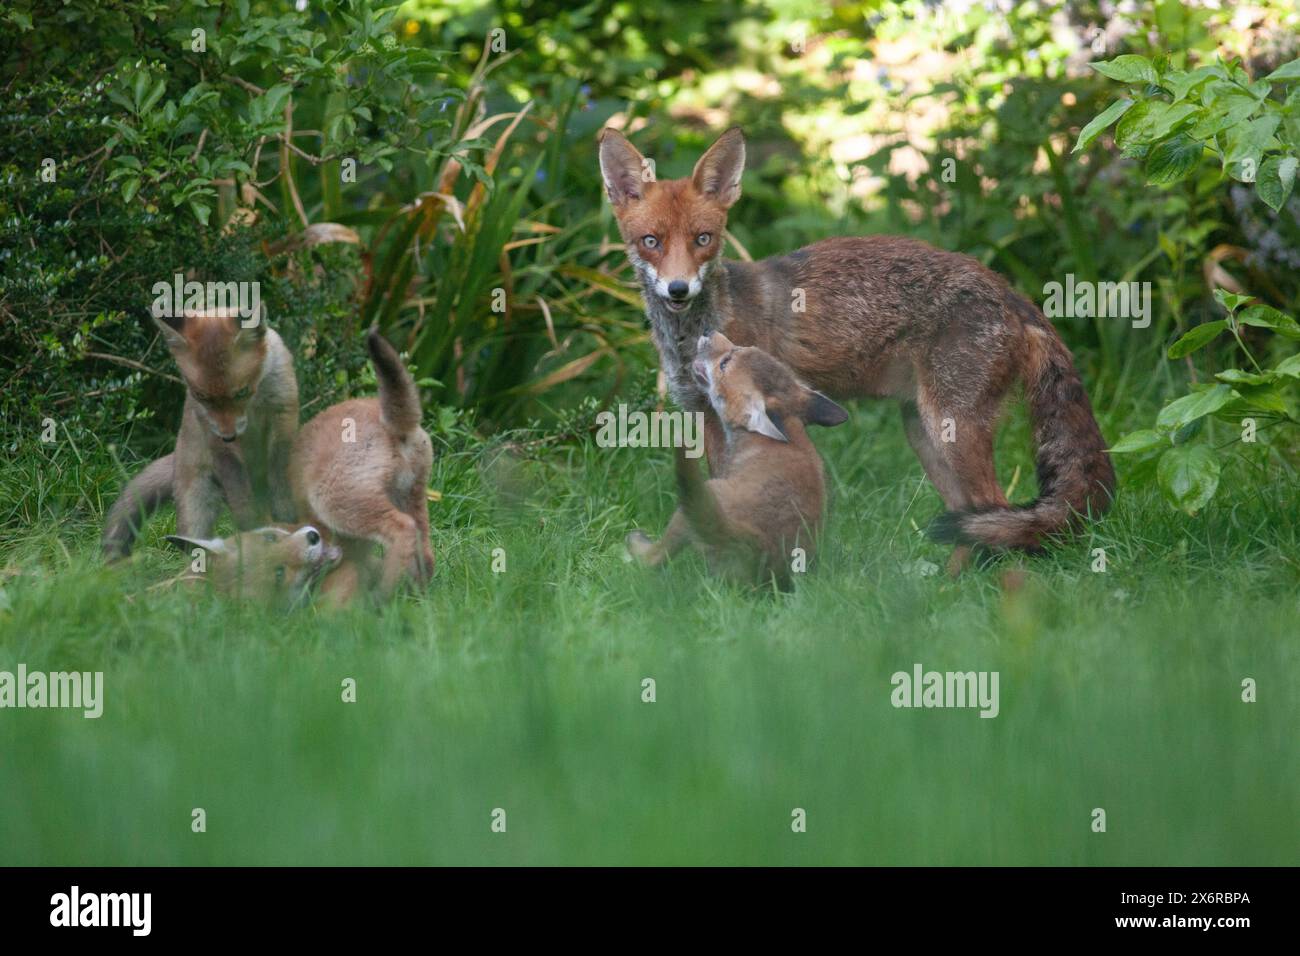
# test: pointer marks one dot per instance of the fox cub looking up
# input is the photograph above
(241, 411)
(767, 496)
(360, 471)
(274, 566)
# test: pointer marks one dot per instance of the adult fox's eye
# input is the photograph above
(725, 359)
(703, 239)
(243, 393)
(650, 242)
(279, 574)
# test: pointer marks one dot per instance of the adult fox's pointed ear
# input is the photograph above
(820, 410)
(626, 172)
(718, 172)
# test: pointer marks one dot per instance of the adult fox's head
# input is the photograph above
(222, 363)
(275, 565)
(751, 390)
(673, 229)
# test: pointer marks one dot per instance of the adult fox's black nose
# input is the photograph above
(677, 290)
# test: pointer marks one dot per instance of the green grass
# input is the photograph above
(522, 690)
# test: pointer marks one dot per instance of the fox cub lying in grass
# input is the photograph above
(767, 495)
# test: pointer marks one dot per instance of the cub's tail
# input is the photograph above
(1075, 475)
(399, 399)
(142, 496)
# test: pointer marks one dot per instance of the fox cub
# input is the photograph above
(767, 493)
(360, 471)
(240, 415)
(274, 566)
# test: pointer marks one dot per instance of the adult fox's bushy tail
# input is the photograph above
(399, 399)
(1075, 475)
(143, 495)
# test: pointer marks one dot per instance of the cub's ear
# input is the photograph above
(625, 171)
(718, 172)
(249, 335)
(210, 545)
(761, 423)
(820, 410)
(172, 330)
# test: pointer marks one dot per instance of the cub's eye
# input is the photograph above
(703, 239)
(243, 393)
(279, 574)
(313, 537)
(725, 359)
(650, 242)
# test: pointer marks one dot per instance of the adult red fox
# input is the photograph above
(878, 316)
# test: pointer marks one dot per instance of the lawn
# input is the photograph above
(522, 690)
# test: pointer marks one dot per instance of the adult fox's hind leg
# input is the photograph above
(953, 437)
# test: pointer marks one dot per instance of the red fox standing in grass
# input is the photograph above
(878, 316)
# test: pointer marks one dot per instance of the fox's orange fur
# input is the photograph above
(274, 566)
(871, 316)
(360, 471)
(767, 494)
(241, 412)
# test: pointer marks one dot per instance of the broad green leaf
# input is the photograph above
(1266, 397)
(1109, 115)
(1128, 68)
(1188, 476)
(1143, 440)
(1245, 147)
(1182, 436)
(1173, 160)
(1290, 367)
(1267, 317)
(1236, 376)
(1230, 300)
(1191, 407)
(1287, 71)
(1180, 84)
(1197, 337)
(1276, 179)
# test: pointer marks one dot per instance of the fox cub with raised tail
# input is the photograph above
(275, 566)
(767, 494)
(240, 415)
(360, 471)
